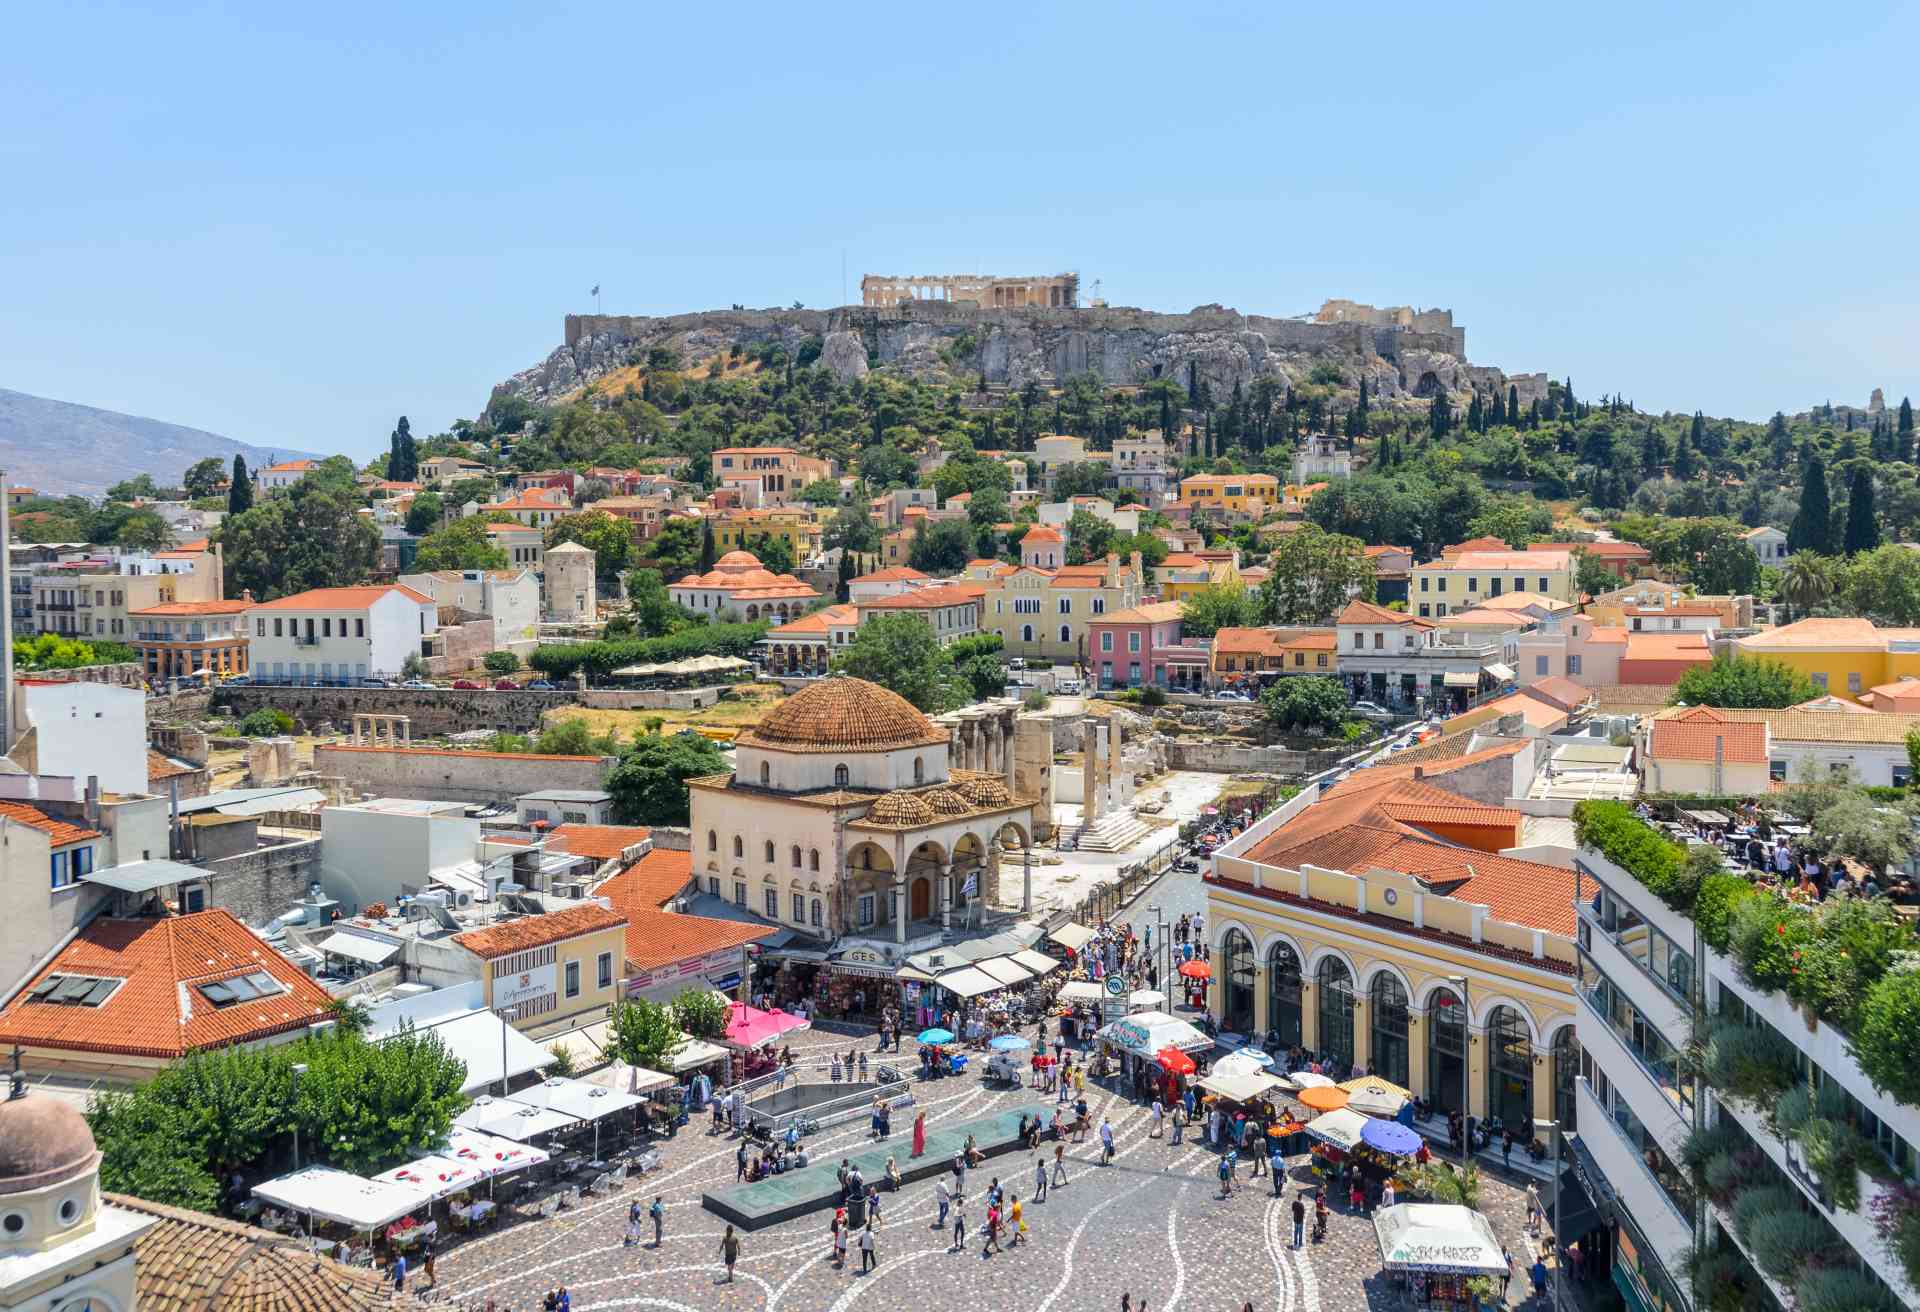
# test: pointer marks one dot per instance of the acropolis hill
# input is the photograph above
(920, 333)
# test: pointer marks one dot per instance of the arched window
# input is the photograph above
(1388, 998)
(739, 848)
(796, 856)
(1283, 995)
(813, 858)
(840, 776)
(1066, 633)
(1237, 996)
(919, 770)
(1566, 1069)
(1335, 1041)
(713, 841)
(769, 856)
(816, 911)
(1510, 1070)
(766, 774)
(1026, 633)
(1446, 1051)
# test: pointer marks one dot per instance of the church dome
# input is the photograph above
(901, 809)
(844, 715)
(42, 1142)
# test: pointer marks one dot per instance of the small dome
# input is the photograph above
(901, 809)
(738, 560)
(844, 715)
(42, 1142)
(945, 801)
(984, 790)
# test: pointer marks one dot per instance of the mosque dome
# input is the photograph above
(844, 715)
(42, 1142)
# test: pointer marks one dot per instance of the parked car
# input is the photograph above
(469, 685)
(1372, 711)
(416, 683)
(505, 685)
(375, 683)
(539, 685)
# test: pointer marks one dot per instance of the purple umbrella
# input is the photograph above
(1390, 1137)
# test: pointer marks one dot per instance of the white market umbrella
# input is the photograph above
(1440, 1237)
(1341, 1129)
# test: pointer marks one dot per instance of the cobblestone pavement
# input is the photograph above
(1153, 1224)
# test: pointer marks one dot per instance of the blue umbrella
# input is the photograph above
(1390, 1137)
(1009, 1043)
(936, 1036)
(1254, 1054)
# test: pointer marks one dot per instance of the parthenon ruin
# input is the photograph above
(1060, 291)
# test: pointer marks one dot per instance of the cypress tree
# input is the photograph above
(1653, 452)
(1360, 410)
(840, 591)
(1476, 415)
(1903, 432)
(1812, 527)
(1682, 458)
(1499, 415)
(706, 546)
(1513, 405)
(1863, 526)
(1440, 415)
(1698, 434)
(240, 492)
(1166, 417)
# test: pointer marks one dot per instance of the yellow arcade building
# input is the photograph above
(1378, 924)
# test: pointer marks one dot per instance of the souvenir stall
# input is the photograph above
(1436, 1249)
(1139, 1039)
(857, 982)
(1237, 1091)
(940, 1055)
(1077, 1004)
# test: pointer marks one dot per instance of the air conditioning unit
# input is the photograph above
(569, 888)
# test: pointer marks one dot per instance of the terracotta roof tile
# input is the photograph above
(1887, 728)
(538, 931)
(161, 767)
(1802, 634)
(602, 841)
(1365, 612)
(893, 574)
(841, 715)
(59, 832)
(1041, 533)
(195, 608)
(922, 599)
(341, 598)
(1700, 733)
(159, 1010)
(819, 622)
(649, 883)
(659, 938)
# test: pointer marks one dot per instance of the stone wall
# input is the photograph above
(650, 699)
(433, 711)
(1238, 758)
(256, 886)
(454, 776)
(192, 705)
(462, 647)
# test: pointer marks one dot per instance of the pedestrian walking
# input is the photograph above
(1506, 1277)
(1039, 1179)
(400, 1274)
(959, 1177)
(944, 1196)
(1179, 1121)
(1159, 1113)
(1226, 1175)
(633, 1225)
(659, 1214)
(1506, 1149)
(1059, 1165)
(1276, 1166)
(992, 1231)
(1016, 1221)
(740, 1162)
(730, 1251)
(1299, 1220)
(837, 1238)
(959, 1228)
(869, 1259)
(1106, 1142)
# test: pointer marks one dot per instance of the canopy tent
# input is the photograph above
(337, 1196)
(478, 1039)
(1375, 1096)
(1461, 679)
(1195, 969)
(630, 1079)
(512, 1120)
(580, 1100)
(1239, 1086)
(1037, 962)
(1308, 1080)
(493, 1156)
(1342, 1129)
(1323, 1099)
(1442, 1237)
(1175, 1062)
(1005, 970)
(691, 665)
(1146, 1032)
(695, 1053)
(749, 1027)
(1071, 935)
(1244, 1063)
(1392, 1137)
(1255, 1055)
(1504, 673)
(440, 1176)
(969, 982)
(935, 1035)
(1081, 990)
(363, 948)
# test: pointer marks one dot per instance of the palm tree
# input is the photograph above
(1807, 581)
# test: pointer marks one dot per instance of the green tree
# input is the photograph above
(649, 785)
(609, 537)
(144, 530)
(312, 537)
(266, 722)
(463, 544)
(1309, 702)
(853, 528)
(1085, 479)
(424, 512)
(573, 736)
(644, 1034)
(1590, 574)
(240, 490)
(654, 610)
(1739, 681)
(373, 1104)
(700, 1012)
(979, 665)
(203, 477)
(1883, 585)
(1807, 581)
(942, 549)
(1088, 538)
(844, 576)
(821, 492)
(1812, 527)
(707, 554)
(1863, 525)
(1217, 606)
(900, 652)
(776, 553)
(1312, 574)
(677, 547)
(1509, 519)
(500, 663)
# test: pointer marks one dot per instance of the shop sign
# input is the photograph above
(863, 961)
(688, 973)
(510, 990)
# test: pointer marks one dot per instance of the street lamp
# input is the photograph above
(1553, 1128)
(1466, 1070)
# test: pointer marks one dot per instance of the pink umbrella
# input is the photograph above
(749, 1027)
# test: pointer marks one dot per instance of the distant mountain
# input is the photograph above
(58, 447)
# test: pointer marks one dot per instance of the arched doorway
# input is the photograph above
(1389, 1047)
(1236, 1012)
(1335, 983)
(1510, 1070)
(1566, 1069)
(1283, 995)
(1446, 1051)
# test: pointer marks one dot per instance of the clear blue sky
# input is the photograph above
(291, 224)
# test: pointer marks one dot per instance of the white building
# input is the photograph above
(1320, 458)
(951, 610)
(573, 597)
(65, 1247)
(1140, 465)
(1768, 543)
(1057, 514)
(335, 635)
(81, 728)
(284, 475)
(508, 597)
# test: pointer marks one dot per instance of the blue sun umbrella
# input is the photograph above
(1009, 1043)
(936, 1036)
(1255, 1055)
(1390, 1137)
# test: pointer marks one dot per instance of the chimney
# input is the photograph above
(1419, 772)
(93, 801)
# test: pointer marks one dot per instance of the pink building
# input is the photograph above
(1571, 647)
(1143, 645)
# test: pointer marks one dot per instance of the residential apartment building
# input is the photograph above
(1397, 659)
(1460, 582)
(1827, 739)
(951, 610)
(1573, 647)
(1043, 614)
(1237, 498)
(1320, 458)
(768, 475)
(1140, 466)
(442, 471)
(509, 598)
(1057, 514)
(1651, 597)
(534, 507)
(1143, 645)
(277, 478)
(1844, 657)
(1623, 560)
(179, 639)
(1648, 984)
(338, 635)
(646, 513)
(885, 583)
(1184, 573)
(94, 597)
(737, 530)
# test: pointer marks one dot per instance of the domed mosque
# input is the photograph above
(845, 819)
(740, 583)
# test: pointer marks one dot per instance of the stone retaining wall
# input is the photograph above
(432, 710)
(455, 776)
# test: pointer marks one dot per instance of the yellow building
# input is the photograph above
(553, 972)
(734, 530)
(1250, 497)
(1472, 578)
(1378, 925)
(1845, 657)
(1182, 574)
(1044, 613)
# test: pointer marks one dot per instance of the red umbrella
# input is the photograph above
(1196, 970)
(1175, 1062)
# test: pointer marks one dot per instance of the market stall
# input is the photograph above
(1374, 1096)
(1136, 1042)
(1437, 1248)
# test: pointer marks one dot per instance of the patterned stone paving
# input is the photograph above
(1153, 1224)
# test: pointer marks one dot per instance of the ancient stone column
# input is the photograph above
(1092, 770)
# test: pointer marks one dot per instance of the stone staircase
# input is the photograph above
(1117, 832)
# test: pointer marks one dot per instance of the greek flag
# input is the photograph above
(972, 887)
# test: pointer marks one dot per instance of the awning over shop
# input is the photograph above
(478, 1040)
(1145, 1033)
(968, 982)
(1071, 935)
(1372, 1096)
(1340, 1128)
(1500, 672)
(1081, 990)
(577, 1098)
(1461, 679)
(337, 1196)
(1037, 962)
(358, 947)
(1437, 1237)
(915, 975)
(695, 1053)
(1004, 970)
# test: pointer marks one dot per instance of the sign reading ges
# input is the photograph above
(511, 990)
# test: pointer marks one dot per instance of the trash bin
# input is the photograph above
(857, 1212)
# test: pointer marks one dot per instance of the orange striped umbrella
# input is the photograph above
(1323, 1099)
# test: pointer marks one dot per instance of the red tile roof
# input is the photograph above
(1559, 690)
(893, 574)
(1692, 734)
(649, 883)
(341, 598)
(923, 598)
(1365, 612)
(659, 938)
(58, 832)
(602, 841)
(195, 608)
(158, 1011)
(538, 931)
(1041, 533)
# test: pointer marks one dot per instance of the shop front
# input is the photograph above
(721, 970)
(856, 982)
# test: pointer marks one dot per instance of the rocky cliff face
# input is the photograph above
(950, 342)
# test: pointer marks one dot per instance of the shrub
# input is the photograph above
(1151, 696)
(1750, 1063)
(562, 1067)
(1782, 1241)
(1755, 1204)
(1836, 1153)
(1886, 1035)
(1612, 829)
(1769, 935)
(1896, 1216)
(267, 722)
(500, 662)
(598, 659)
(1036, 700)
(1714, 904)
(1840, 1289)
